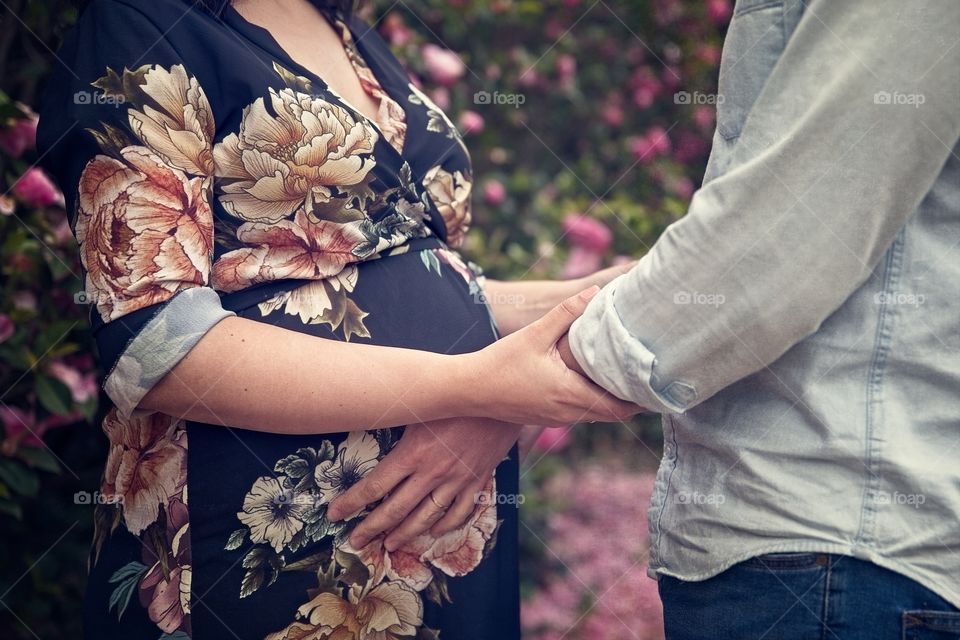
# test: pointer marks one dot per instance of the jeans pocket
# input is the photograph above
(930, 625)
(787, 561)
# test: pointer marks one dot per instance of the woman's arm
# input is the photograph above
(253, 375)
(515, 304)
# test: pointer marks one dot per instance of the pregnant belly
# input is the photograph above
(423, 299)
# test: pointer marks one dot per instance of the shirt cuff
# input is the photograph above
(161, 344)
(619, 362)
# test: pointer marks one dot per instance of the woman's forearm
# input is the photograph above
(257, 376)
(518, 303)
(515, 304)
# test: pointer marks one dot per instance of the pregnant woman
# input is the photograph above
(266, 208)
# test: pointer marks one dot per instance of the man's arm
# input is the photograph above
(822, 179)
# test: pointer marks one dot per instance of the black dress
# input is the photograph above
(210, 175)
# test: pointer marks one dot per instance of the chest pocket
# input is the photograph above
(755, 41)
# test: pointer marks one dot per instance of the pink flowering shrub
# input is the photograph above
(594, 585)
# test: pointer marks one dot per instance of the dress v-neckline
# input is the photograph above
(264, 40)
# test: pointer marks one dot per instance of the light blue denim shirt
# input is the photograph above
(799, 328)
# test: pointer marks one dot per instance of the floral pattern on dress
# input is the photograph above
(144, 223)
(145, 488)
(366, 593)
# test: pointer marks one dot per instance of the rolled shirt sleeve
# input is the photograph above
(822, 178)
(129, 134)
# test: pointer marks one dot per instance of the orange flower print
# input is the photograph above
(304, 248)
(390, 611)
(451, 193)
(145, 231)
(145, 465)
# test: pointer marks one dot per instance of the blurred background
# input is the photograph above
(588, 135)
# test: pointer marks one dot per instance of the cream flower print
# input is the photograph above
(273, 513)
(390, 611)
(324, 301)
(292, 155)
(451, 193)
(145, 230)
(356, 458)
(178, 125)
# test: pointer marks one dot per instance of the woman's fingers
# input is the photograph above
(393, 510)
(373, 487)
(556, 322)
(430, 510)
(459, 513)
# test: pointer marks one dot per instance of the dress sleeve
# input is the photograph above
(128, 132)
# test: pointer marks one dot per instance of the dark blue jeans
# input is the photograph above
(806, 596)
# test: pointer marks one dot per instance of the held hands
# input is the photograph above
(523, 377)
(430, 480)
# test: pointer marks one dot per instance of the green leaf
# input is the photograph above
(19, 478)
(11, 508)
(54, 396)
(126, 579)
(236, 539)
(39, 459)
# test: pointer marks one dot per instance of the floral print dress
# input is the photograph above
(212, 176)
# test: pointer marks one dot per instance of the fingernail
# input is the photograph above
(590, 293)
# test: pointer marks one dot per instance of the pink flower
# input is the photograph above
(590, 239)
(443, 65)
(649, 146)
(704, 117)
(83, 386)
(471, 122)
(35, 189)
(588, 233)
(19, 134)
(612, 114)
(441, 97)
(566, 65)
(6, 327)
(553, 439)
(494, 193)
(719, 11)
(395, 30)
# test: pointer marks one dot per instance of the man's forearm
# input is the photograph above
(822, 179)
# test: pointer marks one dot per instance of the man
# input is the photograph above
(799, 330)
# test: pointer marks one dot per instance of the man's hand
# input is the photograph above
(430, 480)
(563, 346)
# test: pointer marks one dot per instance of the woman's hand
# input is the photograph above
(522, 377)
(430, 480)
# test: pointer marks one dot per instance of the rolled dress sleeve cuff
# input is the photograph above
(619, 362)
(162, 343)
